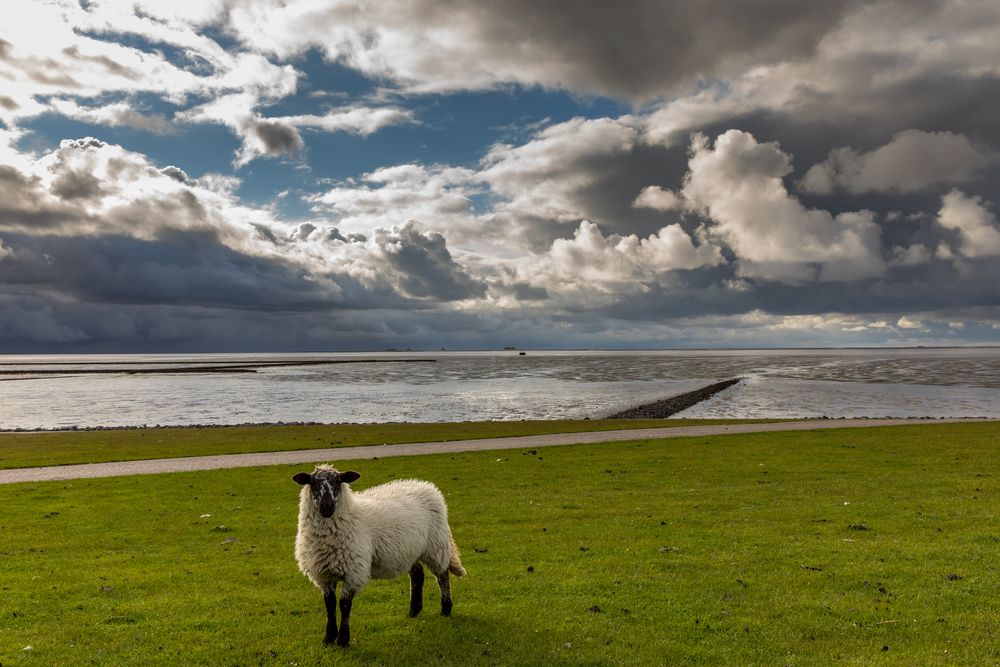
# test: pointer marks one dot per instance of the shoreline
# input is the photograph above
(154, 427)
(236, 367)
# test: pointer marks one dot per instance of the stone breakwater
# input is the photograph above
(668, 407)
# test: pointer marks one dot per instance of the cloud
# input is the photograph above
(601, 229)
(544, 175)
(738, 184)
(886, 67)
(637, 51)
(420, 266)
(64, 49)
(99, 224)
(522, 196)
(117, 114)
(154, 258)
(359, 120)
(905, 322)
(268, 137)
(974, 222)
(546, 186)
(657, 198)
(259, 136)
(189, 268)
(176, 173)
(618, 263)
(436, 196)
(913, 255)
(89, 63)
(912, 161)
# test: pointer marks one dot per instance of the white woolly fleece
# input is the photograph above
(377, 533)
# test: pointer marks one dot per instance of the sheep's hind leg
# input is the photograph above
(416, 589)
(330, 600)
(346, 598)
(445, 583)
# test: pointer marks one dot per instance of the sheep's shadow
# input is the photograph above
(462, 639)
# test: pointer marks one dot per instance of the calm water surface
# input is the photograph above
(495, 385)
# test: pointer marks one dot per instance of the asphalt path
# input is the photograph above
(311, 456)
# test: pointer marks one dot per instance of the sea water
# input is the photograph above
(104, 390)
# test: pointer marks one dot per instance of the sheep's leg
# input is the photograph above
(346, 598)
(330, 600)
(416, 589)
(445, 583)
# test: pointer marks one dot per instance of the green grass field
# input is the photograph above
(867, 546)
(19, 450)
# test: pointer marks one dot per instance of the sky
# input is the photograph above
(305, 175)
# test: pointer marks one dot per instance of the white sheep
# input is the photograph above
(378, 533)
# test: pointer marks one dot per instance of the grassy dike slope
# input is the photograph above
(868, 546)
(47, 448)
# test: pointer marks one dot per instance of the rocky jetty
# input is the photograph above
(671, 406)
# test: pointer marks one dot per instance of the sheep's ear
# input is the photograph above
(302, 478)
(349, 476)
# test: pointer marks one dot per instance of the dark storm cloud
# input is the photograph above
(277, 138)
(24, 206)
(77, 185)
(421, 266)
(165, 242)
(525, 292)
(638, 50)
(190, 269)
(939, 287)
(635, 50)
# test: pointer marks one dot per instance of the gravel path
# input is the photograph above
(309, 456)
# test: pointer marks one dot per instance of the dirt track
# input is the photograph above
(308, 456)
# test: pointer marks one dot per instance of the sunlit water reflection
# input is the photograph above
(501, 385)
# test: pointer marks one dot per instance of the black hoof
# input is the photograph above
(343, 640)
(446, 609)
(329, 641)
(414, 611)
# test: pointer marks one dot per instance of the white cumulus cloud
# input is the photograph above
(657, 198)
(975, 223)
(738, 184)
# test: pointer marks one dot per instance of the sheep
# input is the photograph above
(378, 533)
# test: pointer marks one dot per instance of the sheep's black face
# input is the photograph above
(324, 486)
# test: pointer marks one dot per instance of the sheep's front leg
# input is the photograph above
(330, 600)
(346, 598)
(416, 589)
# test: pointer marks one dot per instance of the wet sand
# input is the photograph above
(242, 367)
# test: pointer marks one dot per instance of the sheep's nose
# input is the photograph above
(326, 508)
